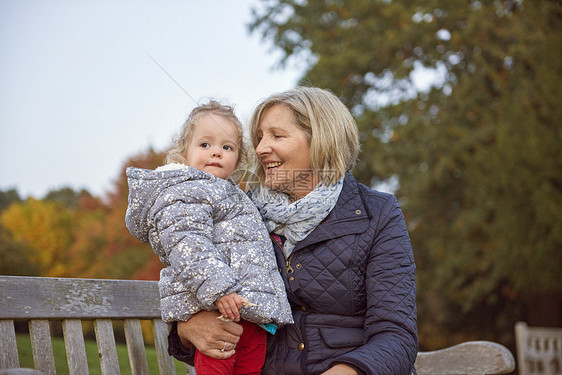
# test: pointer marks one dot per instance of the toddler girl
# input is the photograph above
(211, 239)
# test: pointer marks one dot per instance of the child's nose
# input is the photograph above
(217, 152)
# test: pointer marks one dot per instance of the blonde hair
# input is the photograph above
(331, 130)
(178, 151)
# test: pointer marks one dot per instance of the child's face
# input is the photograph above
(214, 146)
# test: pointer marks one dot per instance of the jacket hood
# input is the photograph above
(146, 186)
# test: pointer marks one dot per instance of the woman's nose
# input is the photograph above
(262, 148)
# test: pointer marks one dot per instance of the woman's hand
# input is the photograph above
(211, 336)
(340, 369)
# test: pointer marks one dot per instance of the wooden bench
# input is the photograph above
(39, 300)
(539, 350)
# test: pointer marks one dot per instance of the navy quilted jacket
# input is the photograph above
(351, 284)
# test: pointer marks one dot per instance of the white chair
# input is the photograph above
(539, 350)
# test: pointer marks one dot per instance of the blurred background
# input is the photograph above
(457, 102)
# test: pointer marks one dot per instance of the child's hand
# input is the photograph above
(229, 306)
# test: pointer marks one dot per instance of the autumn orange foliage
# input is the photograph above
(88, 239)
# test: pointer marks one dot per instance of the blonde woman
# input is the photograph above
(342, 248)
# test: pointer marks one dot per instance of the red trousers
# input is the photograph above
(248, 358)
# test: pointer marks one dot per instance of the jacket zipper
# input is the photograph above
(288, 266)
(288, 263)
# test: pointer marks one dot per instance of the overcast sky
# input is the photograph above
(80, 92)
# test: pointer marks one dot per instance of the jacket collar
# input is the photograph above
(349, 216)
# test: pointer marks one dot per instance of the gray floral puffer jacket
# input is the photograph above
(211, 240)
(351, 283)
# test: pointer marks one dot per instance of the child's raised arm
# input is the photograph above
(229, 306)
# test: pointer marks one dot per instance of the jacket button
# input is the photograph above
(301, 346)
(358, 212)
(299, 265)
(304, 308)
(291, 278)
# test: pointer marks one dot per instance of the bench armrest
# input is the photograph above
(468, 358)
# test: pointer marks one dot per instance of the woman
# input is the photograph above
(342, 248)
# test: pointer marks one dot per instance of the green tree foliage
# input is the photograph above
(8, 197)
(12, 252)
(13, 260)
(477, 156)
(67, 196)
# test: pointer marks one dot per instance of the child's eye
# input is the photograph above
(227, 147)
(205, 145)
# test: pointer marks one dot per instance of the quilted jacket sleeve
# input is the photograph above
(196, 273)
(391, 342)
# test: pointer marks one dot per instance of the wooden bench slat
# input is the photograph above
(41, 347)
(8, 345)
(21, 371)
(75, 347)
(135, 347)
(107, 349)
(165, 361)
(62, 298)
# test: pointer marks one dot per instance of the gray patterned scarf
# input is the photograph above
(296, 220)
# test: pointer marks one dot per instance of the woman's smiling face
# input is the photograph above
(284, 153)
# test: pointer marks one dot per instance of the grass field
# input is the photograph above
(26, 357)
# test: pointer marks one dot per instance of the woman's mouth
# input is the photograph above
(271, 165)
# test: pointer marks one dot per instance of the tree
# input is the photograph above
(45, 230)
(129, 257)
(74, 234)
(8, 197)
(67, 196)
(477, 156)
(12, 252)
(13, 260)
